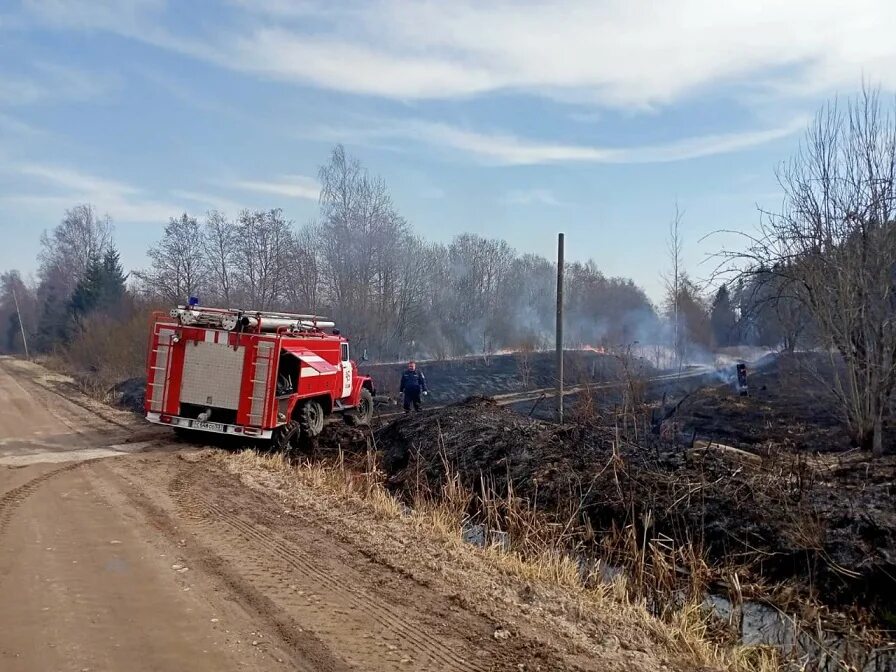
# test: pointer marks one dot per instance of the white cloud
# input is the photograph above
(622, 52)
(627, 53)
(209, 201)
(51, 188)
(536, 196)
(74, 180)
(507, 149)
(59, 187)
(291, 186)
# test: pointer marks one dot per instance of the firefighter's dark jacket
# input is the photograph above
(412, 381)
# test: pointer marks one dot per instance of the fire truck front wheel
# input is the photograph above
(364, 413)
(311, 418)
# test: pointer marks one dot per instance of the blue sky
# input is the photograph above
(509, 119)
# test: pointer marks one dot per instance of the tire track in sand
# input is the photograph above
(11, 500)
(343, 599)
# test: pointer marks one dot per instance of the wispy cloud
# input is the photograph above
(60, 187)
(627, 53)
(291, 186)
(208, 201)
(508, 149)
(620, 52)
(536, 196)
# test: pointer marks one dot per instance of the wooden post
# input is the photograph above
(560, 328)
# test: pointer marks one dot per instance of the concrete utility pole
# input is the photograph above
(560, 327)
(21, 324)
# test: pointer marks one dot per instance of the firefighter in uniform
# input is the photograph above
(413, 385)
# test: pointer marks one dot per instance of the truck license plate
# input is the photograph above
(213, 426)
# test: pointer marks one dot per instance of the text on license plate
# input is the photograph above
(213, 426)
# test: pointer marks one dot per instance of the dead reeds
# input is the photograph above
(659, 583)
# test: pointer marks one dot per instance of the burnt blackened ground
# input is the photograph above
(455, 379)
(788, 409)
(825, 524)
(130, 394)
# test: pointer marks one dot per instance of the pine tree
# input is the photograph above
(112, 287)
(89, 290)
(723, 318)
(102, 286)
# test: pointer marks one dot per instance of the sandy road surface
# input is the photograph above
(134, 556)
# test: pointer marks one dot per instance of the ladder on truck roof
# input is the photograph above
(232, 319)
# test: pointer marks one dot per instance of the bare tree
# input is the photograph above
(177, 270)
(359, 241)
(524, 356)
(303, 284)
(480, 268)
(66, 253)
(219, 247)
(770, 313)
(403, 310)
(602, 311)
(833, 249)
(674, 282)
(68, 249)
(265, 239)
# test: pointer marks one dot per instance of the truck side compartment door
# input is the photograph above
(346, 371)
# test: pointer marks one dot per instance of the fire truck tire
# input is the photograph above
(286, 438)
(311, 418)
(364, 413)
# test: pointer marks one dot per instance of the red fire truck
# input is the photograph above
(262, 375)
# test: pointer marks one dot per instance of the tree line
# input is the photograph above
(362, 264)
(821, 273)
(396, 294)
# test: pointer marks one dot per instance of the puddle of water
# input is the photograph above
(479, 535)
(760, 623)
(765, 625)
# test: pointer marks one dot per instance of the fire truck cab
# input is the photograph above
(261, 375)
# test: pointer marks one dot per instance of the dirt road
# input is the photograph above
(119, 551)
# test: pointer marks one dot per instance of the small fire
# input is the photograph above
(599, 349)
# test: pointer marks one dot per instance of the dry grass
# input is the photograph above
(533, 584)
(102, 353)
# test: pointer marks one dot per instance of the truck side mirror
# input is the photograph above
(364, 356)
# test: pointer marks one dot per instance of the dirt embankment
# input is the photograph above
(824, 522)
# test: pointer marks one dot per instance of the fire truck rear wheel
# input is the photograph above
(286, 438)
(311, 418)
